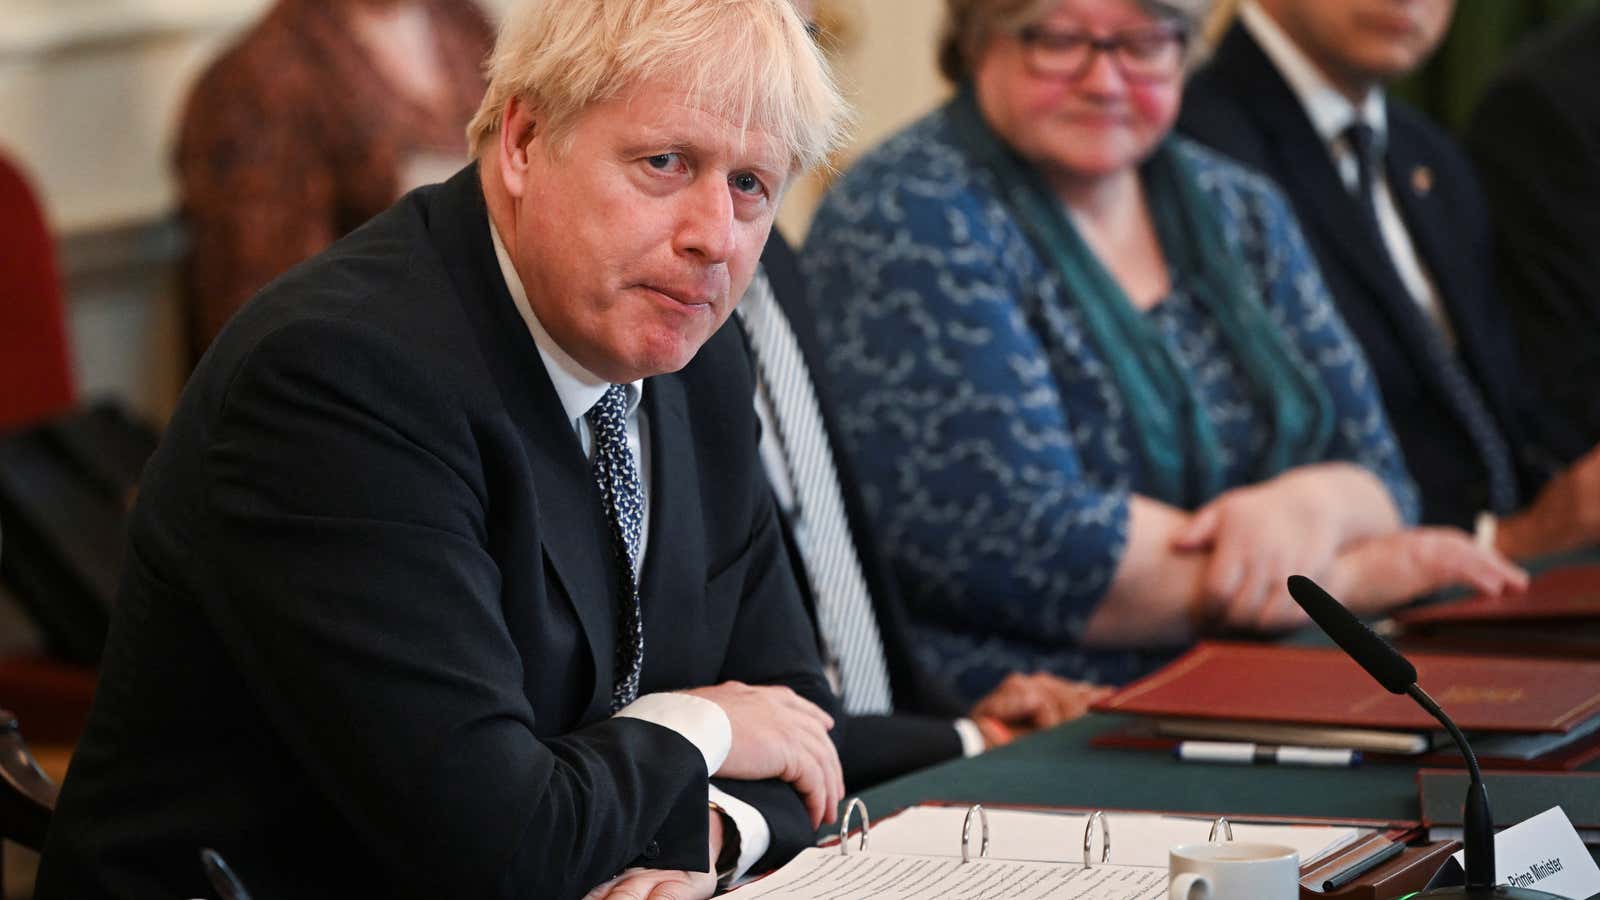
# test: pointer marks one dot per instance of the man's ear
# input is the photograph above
(518, 128)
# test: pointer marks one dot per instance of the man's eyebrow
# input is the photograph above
(752, 155)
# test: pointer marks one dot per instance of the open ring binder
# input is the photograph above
(1010, 851)
(866, 826)
(966, 832)
(1219, 826)
(1088, 837)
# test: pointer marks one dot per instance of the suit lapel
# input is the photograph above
(572, 525)
(672, 586)
(1411, 176)
(1320, 198)
(1308, 173)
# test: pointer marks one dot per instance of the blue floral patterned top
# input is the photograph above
(994, 450)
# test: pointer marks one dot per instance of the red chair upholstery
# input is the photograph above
(35, 383)
(35, 365)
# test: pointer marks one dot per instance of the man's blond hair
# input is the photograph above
(748, 61)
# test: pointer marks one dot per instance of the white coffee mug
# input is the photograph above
(1233, 870)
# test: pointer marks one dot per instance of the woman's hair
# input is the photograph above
(970, 24)
(749, 61)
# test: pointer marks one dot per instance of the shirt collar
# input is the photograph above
(756, 305)
(577, 387)
(1330, 111)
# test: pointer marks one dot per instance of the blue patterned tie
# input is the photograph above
(1464, 394)
(618, 478)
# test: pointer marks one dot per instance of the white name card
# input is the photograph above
(1544, 853)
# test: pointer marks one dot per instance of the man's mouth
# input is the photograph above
(683, 296)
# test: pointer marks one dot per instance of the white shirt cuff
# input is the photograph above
(972, 742)
(754, 834)
(700, 721)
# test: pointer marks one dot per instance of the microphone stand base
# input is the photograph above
(1501, 892)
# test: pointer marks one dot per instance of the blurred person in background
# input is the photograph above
(1098, 393)
(1536, 140)
(1396, 217)
(322, 115)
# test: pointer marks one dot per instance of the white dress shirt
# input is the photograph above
(1331, 112)
(700, 721)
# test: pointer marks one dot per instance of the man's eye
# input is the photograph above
(745, 183)
(662, 162)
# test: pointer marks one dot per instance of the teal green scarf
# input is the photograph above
(1177, 441)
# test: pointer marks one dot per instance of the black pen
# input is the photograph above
(1362, 866)
(222, 877)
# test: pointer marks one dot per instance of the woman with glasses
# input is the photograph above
(1096, 388)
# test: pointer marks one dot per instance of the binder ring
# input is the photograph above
(966, 833)
(1088, 837)
(1223, 825)
(866, 826)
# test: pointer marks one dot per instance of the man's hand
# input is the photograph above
(1026, 703)
(656, 884)
(1565, 515)
(663, 884)
(779, 734)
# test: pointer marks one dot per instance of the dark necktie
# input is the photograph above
(618, 477)
(844, 608)
(1463, 393)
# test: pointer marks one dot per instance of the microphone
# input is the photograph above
(1398, 676)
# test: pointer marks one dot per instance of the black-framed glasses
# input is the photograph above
(1152, 54)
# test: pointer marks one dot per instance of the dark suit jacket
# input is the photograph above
(920, 733)
(1240, 104)
(1536, 140)
(364, 645)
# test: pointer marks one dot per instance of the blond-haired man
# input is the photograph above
(457, 574)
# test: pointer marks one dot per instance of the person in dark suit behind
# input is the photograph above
(899, 717)
(1396, 218)
(1536, 139)
(457, 574)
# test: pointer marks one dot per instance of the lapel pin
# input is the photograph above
(1421, 180)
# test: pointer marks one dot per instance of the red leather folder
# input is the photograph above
(1322, 686)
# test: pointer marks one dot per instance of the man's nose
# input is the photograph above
(705, 228)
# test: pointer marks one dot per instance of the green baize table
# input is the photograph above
(1059, 768)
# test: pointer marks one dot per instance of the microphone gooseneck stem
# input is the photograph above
(1477, 822)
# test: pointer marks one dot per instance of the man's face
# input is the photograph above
(1364, 43)
(635, 240)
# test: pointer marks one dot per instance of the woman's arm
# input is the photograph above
(1156, 597)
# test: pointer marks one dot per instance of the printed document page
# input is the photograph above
(1136, 839)
(821, 873)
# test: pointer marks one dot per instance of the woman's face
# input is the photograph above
(1093, 123)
